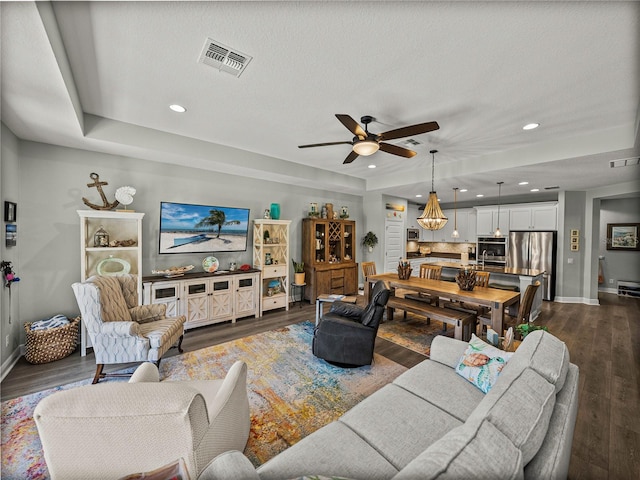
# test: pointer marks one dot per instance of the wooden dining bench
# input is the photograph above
(464, 322)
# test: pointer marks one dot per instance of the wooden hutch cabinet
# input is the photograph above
(329, 256)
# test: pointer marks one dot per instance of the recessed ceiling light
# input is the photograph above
(177, 108)
(372, 166)
(523, 183)
(418, 196)
(535, 189)
(479, 195)
(530, 126)
(463, 190)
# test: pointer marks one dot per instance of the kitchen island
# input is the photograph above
(502, 277)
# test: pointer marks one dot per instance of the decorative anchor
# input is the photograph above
(98, 184)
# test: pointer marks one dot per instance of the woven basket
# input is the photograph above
(44, 346)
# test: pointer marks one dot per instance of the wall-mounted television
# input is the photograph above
(188, 228)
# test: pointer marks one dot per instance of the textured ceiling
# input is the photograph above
(100, 76)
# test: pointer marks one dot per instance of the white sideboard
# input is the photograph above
(206, 298)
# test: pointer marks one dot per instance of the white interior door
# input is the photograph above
(394, 244)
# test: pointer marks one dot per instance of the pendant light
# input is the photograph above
(455, 233)
(432, 218)
(498, 233)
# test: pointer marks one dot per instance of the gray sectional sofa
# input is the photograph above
(431, 423)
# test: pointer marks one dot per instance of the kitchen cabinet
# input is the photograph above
(466, 220)
(206, 298)
(542, 216)
(271, 257)
(116, 249)
(487, 220)
(328, 253)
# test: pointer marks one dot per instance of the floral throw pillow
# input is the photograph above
(481, 363)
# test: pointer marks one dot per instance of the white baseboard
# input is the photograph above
(586, 301)
(8, 364)
(608, 290)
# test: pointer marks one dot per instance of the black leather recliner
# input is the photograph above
(347, 334)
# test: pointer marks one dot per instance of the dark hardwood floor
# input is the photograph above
(604, 341)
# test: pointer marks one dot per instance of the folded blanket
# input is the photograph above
(53, 322)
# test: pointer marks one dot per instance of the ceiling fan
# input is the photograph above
(367, 143)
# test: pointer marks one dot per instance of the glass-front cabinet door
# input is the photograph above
(349, 238)
(321, 236)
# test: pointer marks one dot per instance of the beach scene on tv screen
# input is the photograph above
(186, 228)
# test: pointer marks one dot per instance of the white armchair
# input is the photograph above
(114, 429)
(122, 331)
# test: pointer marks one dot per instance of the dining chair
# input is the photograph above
(524, 311)
(432, 272)
(368, 268)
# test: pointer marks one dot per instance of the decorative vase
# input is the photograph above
(404, 272)
(466, 279)
(329, 210)
(275, 211)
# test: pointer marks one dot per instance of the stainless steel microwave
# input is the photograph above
(413, 234)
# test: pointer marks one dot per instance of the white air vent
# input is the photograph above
(225, 59)
(625, 162)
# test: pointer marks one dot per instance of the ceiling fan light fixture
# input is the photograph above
(366, 147)
(432, 218)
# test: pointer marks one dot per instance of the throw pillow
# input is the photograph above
(481, 363)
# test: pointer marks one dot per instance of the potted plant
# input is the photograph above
(370, 240)
(526, 328)
(298, 270)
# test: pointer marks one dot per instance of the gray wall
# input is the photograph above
(570, 264)
(53, 181)
(618, 265)
(9, 190)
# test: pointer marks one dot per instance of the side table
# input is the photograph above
(293, 291)
(326, 298)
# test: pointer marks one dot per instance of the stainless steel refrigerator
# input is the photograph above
(535, 250)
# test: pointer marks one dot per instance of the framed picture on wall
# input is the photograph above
(10, 210)
(623, 236)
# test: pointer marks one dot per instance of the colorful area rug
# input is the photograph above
(413, 332)
(291, 394)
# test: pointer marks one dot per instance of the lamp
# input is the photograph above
(365, 147)
(432, 218)
(455, 233)
(498, 233)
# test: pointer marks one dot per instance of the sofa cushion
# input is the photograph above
(544, 353)
(521, 408)
(398, 424)
(481, 363)
(447, 351)
(552, 460)
(470, 451)
(334, 450)
(438, 384)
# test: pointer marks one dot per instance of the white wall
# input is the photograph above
(54, 179)
(618, 265)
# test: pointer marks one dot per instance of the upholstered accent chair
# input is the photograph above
(120, 330)
(347, 334)
(115, 428)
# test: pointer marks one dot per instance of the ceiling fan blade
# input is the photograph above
(396, 150)
(410, 131)
(351, 157)
(323, 144)
(353, 126)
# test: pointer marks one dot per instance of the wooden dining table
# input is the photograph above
(495, 298)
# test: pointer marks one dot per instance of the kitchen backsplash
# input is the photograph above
(443, 247)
